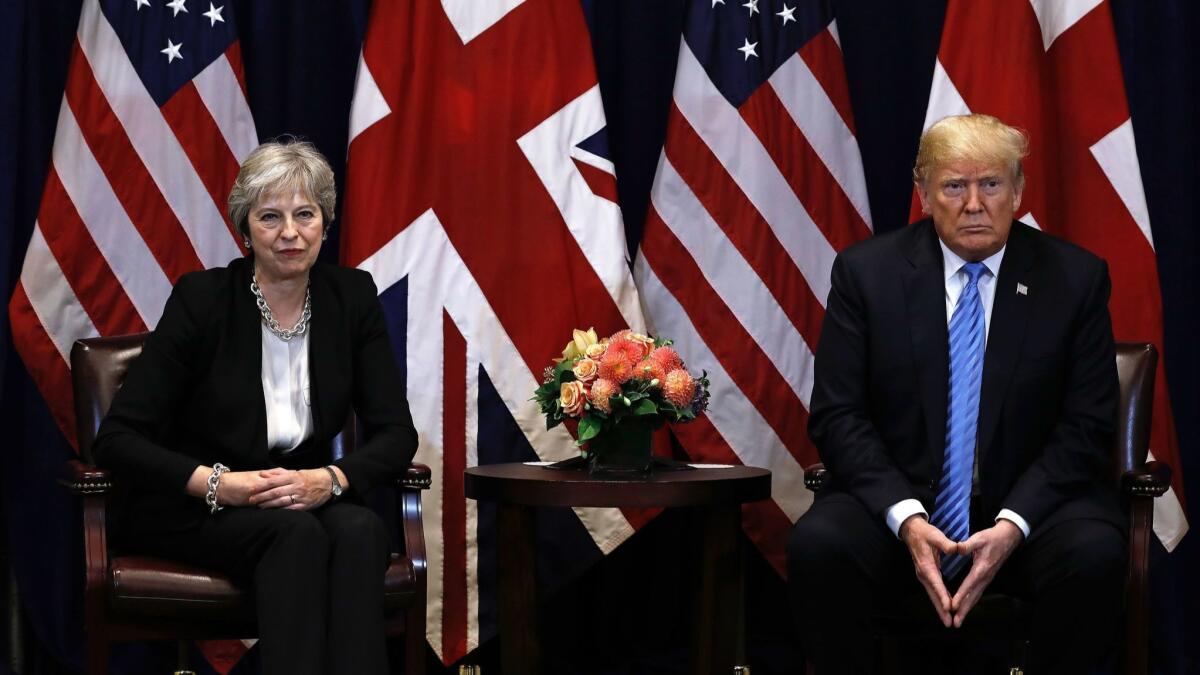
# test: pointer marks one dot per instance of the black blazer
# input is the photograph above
(1049, 394)
(195, 394)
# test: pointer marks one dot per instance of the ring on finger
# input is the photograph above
(293, 498)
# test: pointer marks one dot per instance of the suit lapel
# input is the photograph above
(1010, 314)
(321, 340)
(248, 335)
(925, 296)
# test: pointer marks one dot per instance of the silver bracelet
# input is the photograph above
(214, 480)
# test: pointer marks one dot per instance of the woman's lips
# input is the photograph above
(291, 253)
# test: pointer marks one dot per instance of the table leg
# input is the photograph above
(519, 649)
(718, 640)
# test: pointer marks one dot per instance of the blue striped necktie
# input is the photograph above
(952, 510)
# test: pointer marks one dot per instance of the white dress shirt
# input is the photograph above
(286, 390)
(956, 280)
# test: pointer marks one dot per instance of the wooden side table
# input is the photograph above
(719, 623)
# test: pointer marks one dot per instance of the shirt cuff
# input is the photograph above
(901, 511)
(1015, 519)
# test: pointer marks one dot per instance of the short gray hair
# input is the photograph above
(277, 166)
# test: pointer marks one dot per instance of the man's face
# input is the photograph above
(972, 204)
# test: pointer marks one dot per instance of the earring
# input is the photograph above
(324, 235)
(246, 242)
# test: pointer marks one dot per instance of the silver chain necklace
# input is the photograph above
(285, 334)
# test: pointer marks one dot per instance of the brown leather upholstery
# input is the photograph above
(1140, 483)
(140, 598)
(154, 587)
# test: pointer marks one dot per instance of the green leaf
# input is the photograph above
(589, 428)
(645, 407)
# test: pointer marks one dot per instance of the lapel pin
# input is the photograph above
(1022, 289)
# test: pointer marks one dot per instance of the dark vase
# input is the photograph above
(622, 450)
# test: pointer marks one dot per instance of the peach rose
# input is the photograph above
(585, 370)
(644, 341)
(572, 397)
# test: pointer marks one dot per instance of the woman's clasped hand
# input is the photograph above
(276, 488)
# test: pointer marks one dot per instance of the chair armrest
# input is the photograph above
(1150, 480)
(93, 485)
(814, 477)
(81, 478)
(416, 477)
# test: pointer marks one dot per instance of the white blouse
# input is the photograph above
(286, 390)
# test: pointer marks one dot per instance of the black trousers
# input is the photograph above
(844, 564)
(317, 578)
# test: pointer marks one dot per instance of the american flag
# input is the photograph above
(480, 196)
(152, 128)
(759, 185)
(1061, 81)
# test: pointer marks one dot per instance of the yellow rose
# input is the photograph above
(580, 340)
(585, 369)
(571, 397)
(597, 350)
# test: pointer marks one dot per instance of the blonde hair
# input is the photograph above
(278, 166)
(978, 138)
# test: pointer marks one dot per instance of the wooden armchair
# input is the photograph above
(133, 598)
(1140, 483)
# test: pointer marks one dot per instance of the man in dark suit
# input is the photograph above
(964, 404)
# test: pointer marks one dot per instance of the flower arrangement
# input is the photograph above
(625, 382)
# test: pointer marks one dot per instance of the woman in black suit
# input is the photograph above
(223, 425)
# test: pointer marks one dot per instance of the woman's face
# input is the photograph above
(285, 234)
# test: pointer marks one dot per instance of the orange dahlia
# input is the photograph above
(679, 388)
(667, 358)
(627, 349)
(602, 389)
(616, 366)
(650, 370)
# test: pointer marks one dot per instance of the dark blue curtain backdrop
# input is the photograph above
(300, 58)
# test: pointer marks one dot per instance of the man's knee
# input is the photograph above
(1088, 560)
(818, 545)
(1096, 552)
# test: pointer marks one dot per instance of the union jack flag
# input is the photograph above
(480, 197)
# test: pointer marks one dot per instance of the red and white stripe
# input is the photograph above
(1061, 82)
(750, 206)
(134, 198)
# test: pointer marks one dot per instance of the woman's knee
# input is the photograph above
(357, 526)
(299, 529)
